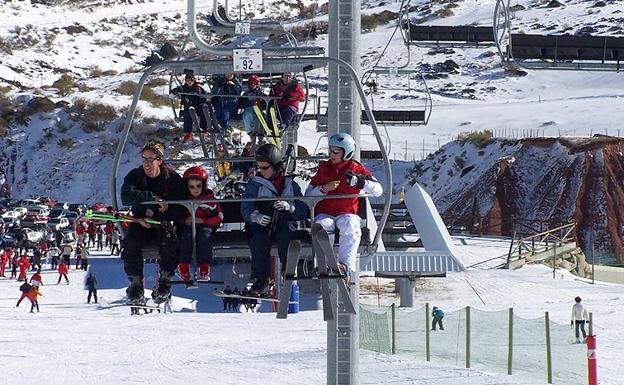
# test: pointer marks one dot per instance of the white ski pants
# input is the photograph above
(350, 235)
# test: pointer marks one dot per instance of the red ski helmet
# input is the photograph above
(254, 79)
(195, 172)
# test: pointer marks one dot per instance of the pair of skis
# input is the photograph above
(118, 217)
(271, 133)
(328, 269)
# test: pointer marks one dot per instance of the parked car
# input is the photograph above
(58, 213)
(47, 201)
(21, 210)
(68, 235)
(33, 235)
(78, 207)
(72, 217)
(34, 219)
(12, 215)
(29, 202)
(58, 223)
(61, 205)
(8, 241)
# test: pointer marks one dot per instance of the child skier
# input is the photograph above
(208, 217)
(342, 175)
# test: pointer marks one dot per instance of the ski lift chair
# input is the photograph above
(415, 115)
(444, 36)
(556, 51)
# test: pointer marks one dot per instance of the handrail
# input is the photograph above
(223, 66)
(239, 159)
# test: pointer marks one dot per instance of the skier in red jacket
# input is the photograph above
(290, 93)
(208, 218)
(5, 258)
(342, 175)
(62, 270)
(23, 264)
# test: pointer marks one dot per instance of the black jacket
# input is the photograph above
(190, 100)
(137, 188)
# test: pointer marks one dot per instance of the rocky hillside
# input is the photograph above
(480, 184)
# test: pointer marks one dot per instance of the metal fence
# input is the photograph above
(494, 341)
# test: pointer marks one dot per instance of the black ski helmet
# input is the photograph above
(270, 154)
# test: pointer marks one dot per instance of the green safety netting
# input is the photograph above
(489, 341)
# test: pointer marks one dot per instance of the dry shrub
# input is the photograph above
(4, 128)
(148, 94)
(478, 138)
(66, 143)
(446, 12)
(157, 82)
(126, 88)
(369, 23)
(39, 104)
(96, 72)
(93, 115)
(64, 84)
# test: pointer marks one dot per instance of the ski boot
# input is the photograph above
(260, 287)
(185, 271)
(162, 291)
(204, 272)
(345, 272)
(135, 293)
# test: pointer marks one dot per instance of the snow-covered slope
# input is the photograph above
(71, 342)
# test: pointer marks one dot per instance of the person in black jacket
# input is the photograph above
(152, 181)
(190, 96)
(92, 286)
(227, 105)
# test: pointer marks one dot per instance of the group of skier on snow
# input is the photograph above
(269, 220)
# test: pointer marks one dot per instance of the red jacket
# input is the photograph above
(292, 94)
(207, 214)
(328, 172)
(108, 229)
(23, 263)
(80, 229)
(62, 269)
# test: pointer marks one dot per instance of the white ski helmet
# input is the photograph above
(344, 141)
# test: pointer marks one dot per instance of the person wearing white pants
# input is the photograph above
(338, 176)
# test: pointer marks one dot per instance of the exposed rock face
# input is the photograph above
(541, 182)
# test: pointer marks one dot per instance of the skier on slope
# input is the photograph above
(23, 264)
(291, 93)
(342, 175)
(152, 181)
(63, 269)
(92, 287)
(270, 181)
(208, 218)
(190, 94)
(578, 318)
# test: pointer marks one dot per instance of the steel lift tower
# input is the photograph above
(344, 112)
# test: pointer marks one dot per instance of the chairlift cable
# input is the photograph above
(364, 80)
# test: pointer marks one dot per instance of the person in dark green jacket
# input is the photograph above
(152, 181)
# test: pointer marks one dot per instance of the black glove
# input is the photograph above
(355, 180)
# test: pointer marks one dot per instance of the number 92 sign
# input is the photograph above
(247, 60)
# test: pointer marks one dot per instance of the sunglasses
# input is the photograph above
(194, 186)
(336, 152)
(264, 168)
(148, 160)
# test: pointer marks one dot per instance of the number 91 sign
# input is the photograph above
(247, 60)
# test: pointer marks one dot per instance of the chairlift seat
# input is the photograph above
(462, 33)
(566, 47)
(226, 241)
(394, 116)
